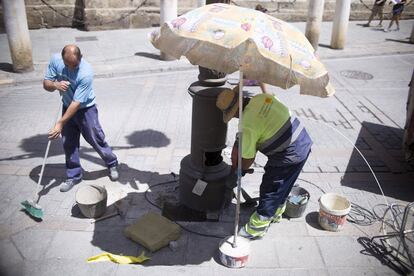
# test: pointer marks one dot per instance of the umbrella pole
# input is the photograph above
(231, 254)
(239, 161)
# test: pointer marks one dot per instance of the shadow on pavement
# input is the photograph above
(377, 29)
(147, 138)
(53, 176)
(35, 146)
(148, 55)
(382, 147)
(324, 46)
(6, 67)
(163, 188)
(384, 255)
(312, 220)
(400, 41)
(109, 233)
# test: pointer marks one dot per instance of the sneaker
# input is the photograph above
(68, 184)
(366, 25)
(113, 173)
(397, 29)
(386, 30)
(278, 214)
(256, 228)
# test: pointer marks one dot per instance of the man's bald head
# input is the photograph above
(71, 55)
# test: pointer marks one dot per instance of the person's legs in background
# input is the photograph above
(381, 15)
(373, 13)
(397, 21)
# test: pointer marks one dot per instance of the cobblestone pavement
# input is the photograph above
(147, 120)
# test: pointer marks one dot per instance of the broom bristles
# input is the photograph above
(32, 209)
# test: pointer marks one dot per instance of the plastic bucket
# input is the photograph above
(333, 211)
(91, 200)
(296, 209)
(234, 257)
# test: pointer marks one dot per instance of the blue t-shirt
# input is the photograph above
(81, 78)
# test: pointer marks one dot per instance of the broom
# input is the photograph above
(32, 207)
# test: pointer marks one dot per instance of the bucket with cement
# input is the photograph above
(333, 211)
(296, 202)
(91, 200)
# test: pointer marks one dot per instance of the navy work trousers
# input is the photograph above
(277, 182)
(84, 122)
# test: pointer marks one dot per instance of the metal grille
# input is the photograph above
(358, 75)
(85, 38)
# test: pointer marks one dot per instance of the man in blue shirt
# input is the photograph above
(72, 76)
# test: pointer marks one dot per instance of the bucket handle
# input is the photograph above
(101, 189)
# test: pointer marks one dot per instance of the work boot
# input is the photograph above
(256, 228)
(68, 184)
(278, 214)
(113, 173)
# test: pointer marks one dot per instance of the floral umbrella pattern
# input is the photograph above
(229, 38)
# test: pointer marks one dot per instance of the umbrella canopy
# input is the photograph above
(229, 38)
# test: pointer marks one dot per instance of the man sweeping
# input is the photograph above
(267, 127)
(72, 76)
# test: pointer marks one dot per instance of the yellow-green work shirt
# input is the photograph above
(262, 118)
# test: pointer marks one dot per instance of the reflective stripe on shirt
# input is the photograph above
(282, 139)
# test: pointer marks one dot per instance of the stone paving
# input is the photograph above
(146, 114)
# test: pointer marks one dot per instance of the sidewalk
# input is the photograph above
(145, 111)
(128, 52)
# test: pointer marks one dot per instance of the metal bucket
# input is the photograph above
(296, 209)
(91, 200)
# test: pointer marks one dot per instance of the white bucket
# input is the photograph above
(333, 211)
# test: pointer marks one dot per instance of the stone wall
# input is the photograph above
(118, 14)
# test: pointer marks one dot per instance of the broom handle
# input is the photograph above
(46, 154)
(239, 161)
